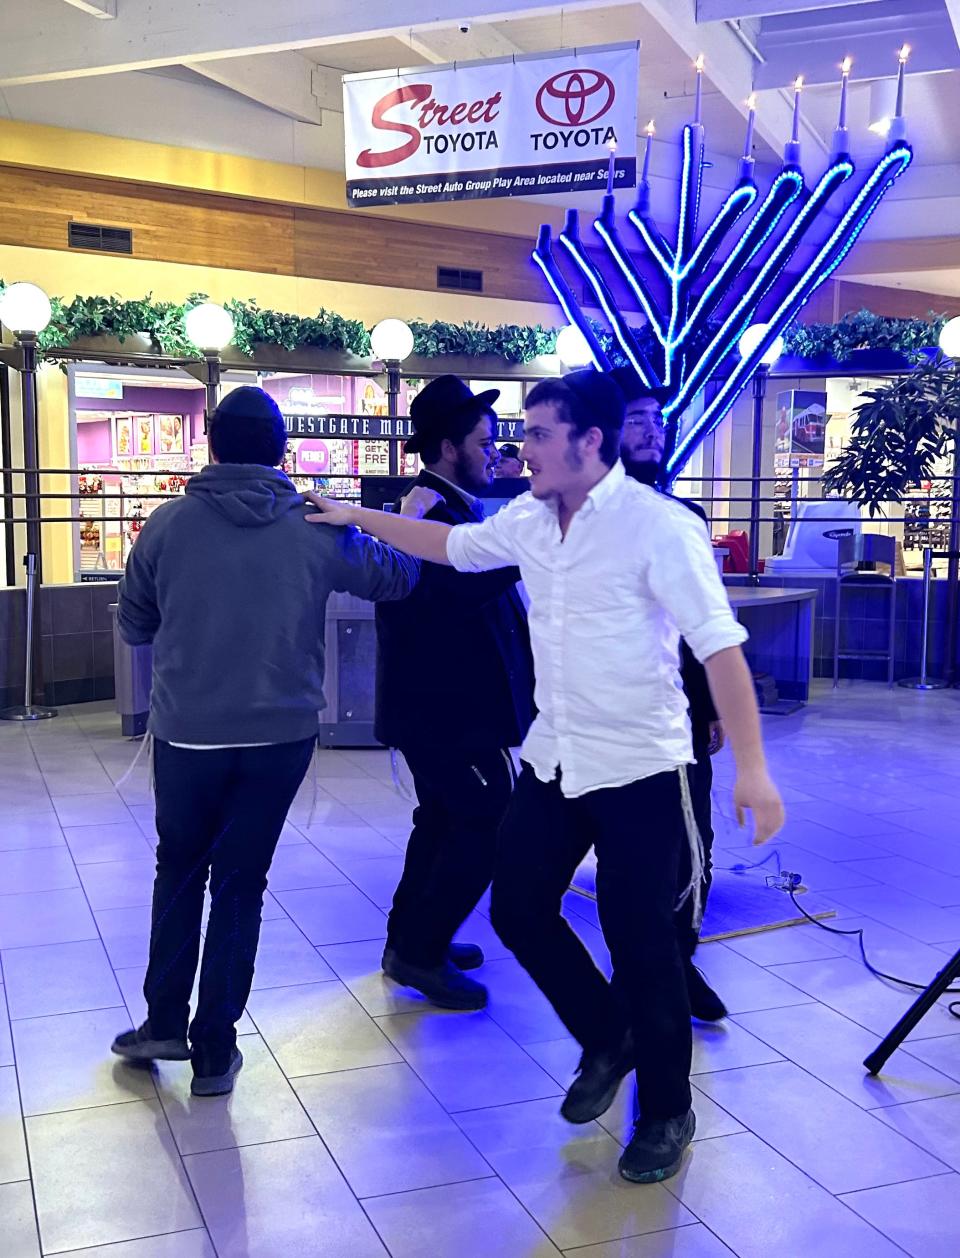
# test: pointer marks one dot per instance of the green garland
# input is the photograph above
(162, 322)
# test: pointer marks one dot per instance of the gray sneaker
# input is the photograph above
(214, 1078)
(141, 1045)
(656, 1148)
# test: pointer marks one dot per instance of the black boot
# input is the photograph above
(656, 1148)
(598, 1078)
(705, 1004)
(465, 956)
(443, 985)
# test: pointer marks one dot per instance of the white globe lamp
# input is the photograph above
(25, 309)
(752, 338)
(391, 341)
(210, 327)
(572, 348)
(950, 338)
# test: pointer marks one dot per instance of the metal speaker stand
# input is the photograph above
(29, 711)
(923, 682)
(923, 1004)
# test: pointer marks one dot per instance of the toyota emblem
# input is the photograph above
(575, 98)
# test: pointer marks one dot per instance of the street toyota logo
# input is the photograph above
(575, 98)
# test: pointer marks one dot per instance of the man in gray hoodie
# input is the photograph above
(230, 586)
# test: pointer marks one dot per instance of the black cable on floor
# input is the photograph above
(953, 1008)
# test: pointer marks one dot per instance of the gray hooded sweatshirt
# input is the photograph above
(230, 584)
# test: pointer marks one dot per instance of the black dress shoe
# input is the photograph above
(443, 985)
(598, 1078)
(656, 1149)
(143, 1045)
(213, 1073)
(465, 956)
(705, 1004)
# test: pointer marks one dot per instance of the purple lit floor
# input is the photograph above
(364, 1123)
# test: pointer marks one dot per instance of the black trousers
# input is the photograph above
(638, 832)
(700, 776)
(461, 799)
(219, 815)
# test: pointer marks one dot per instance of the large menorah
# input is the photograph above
(697, 308)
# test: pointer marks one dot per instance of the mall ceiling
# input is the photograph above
(264, 80)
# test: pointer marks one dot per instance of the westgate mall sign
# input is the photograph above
(373, 427)
(514, 127)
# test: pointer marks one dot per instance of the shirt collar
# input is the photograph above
(470, 499)
(605, 489)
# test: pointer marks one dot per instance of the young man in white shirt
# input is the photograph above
(615, 573)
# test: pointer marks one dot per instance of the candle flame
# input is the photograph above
(650, 128)
(846, 65)
(752, 102)
(903, 54)
(612, 146)
(798, 85)
(699, 63)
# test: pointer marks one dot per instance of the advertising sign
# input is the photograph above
(518, 127)
(801, 426)
(375, 427)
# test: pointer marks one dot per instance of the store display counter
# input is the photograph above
(780, 623)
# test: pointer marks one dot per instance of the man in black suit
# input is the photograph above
(454, 694)
(641, 451)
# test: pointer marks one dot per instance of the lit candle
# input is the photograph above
(902, 56)
(751, 120)
(650, 131)
(797, 89)
(611, 167)
(698, 99)
(844, 84)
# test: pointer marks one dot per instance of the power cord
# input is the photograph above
(953, 1007)
(788, 881)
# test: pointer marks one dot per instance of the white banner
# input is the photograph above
(519, 127)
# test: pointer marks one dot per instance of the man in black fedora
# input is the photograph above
(641, 451)
(454, 694)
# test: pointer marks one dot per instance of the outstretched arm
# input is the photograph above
(426, 539)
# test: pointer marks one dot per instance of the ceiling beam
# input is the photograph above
(452, 44)
(287, 82)
(730, 67)
(96, 8)
(146, 34)
(731, 10)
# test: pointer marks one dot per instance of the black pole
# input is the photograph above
(953, 566)
(31, 447)
(393, 411)
(922, 1005)
(211, 388)
(759, 392)
(6, 453)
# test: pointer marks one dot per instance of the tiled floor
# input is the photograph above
(364, 1123)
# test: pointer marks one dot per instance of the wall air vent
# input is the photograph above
(99, 238)
(452, 277)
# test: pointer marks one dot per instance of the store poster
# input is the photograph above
(144, 429)
(517, 126)
(171, 434)
(313, 458)
(123, 437)
(373, 458)
(801, 427)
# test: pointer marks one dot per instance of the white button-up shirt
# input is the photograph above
(608, 604)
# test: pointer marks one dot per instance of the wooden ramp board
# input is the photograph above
(738, 904)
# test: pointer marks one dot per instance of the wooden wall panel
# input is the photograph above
(168, 225)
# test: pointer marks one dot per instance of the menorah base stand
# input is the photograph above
(28, 713)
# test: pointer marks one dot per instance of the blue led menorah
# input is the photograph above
(702, 306)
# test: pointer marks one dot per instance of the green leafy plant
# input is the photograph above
(863, 330)
(899, 434)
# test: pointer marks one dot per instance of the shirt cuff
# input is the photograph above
(718, 634)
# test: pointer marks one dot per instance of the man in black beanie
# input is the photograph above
(641, 450)
(230, 586)
(613, 571)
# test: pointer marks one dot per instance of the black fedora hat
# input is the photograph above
(632, 387)
(442, 399)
